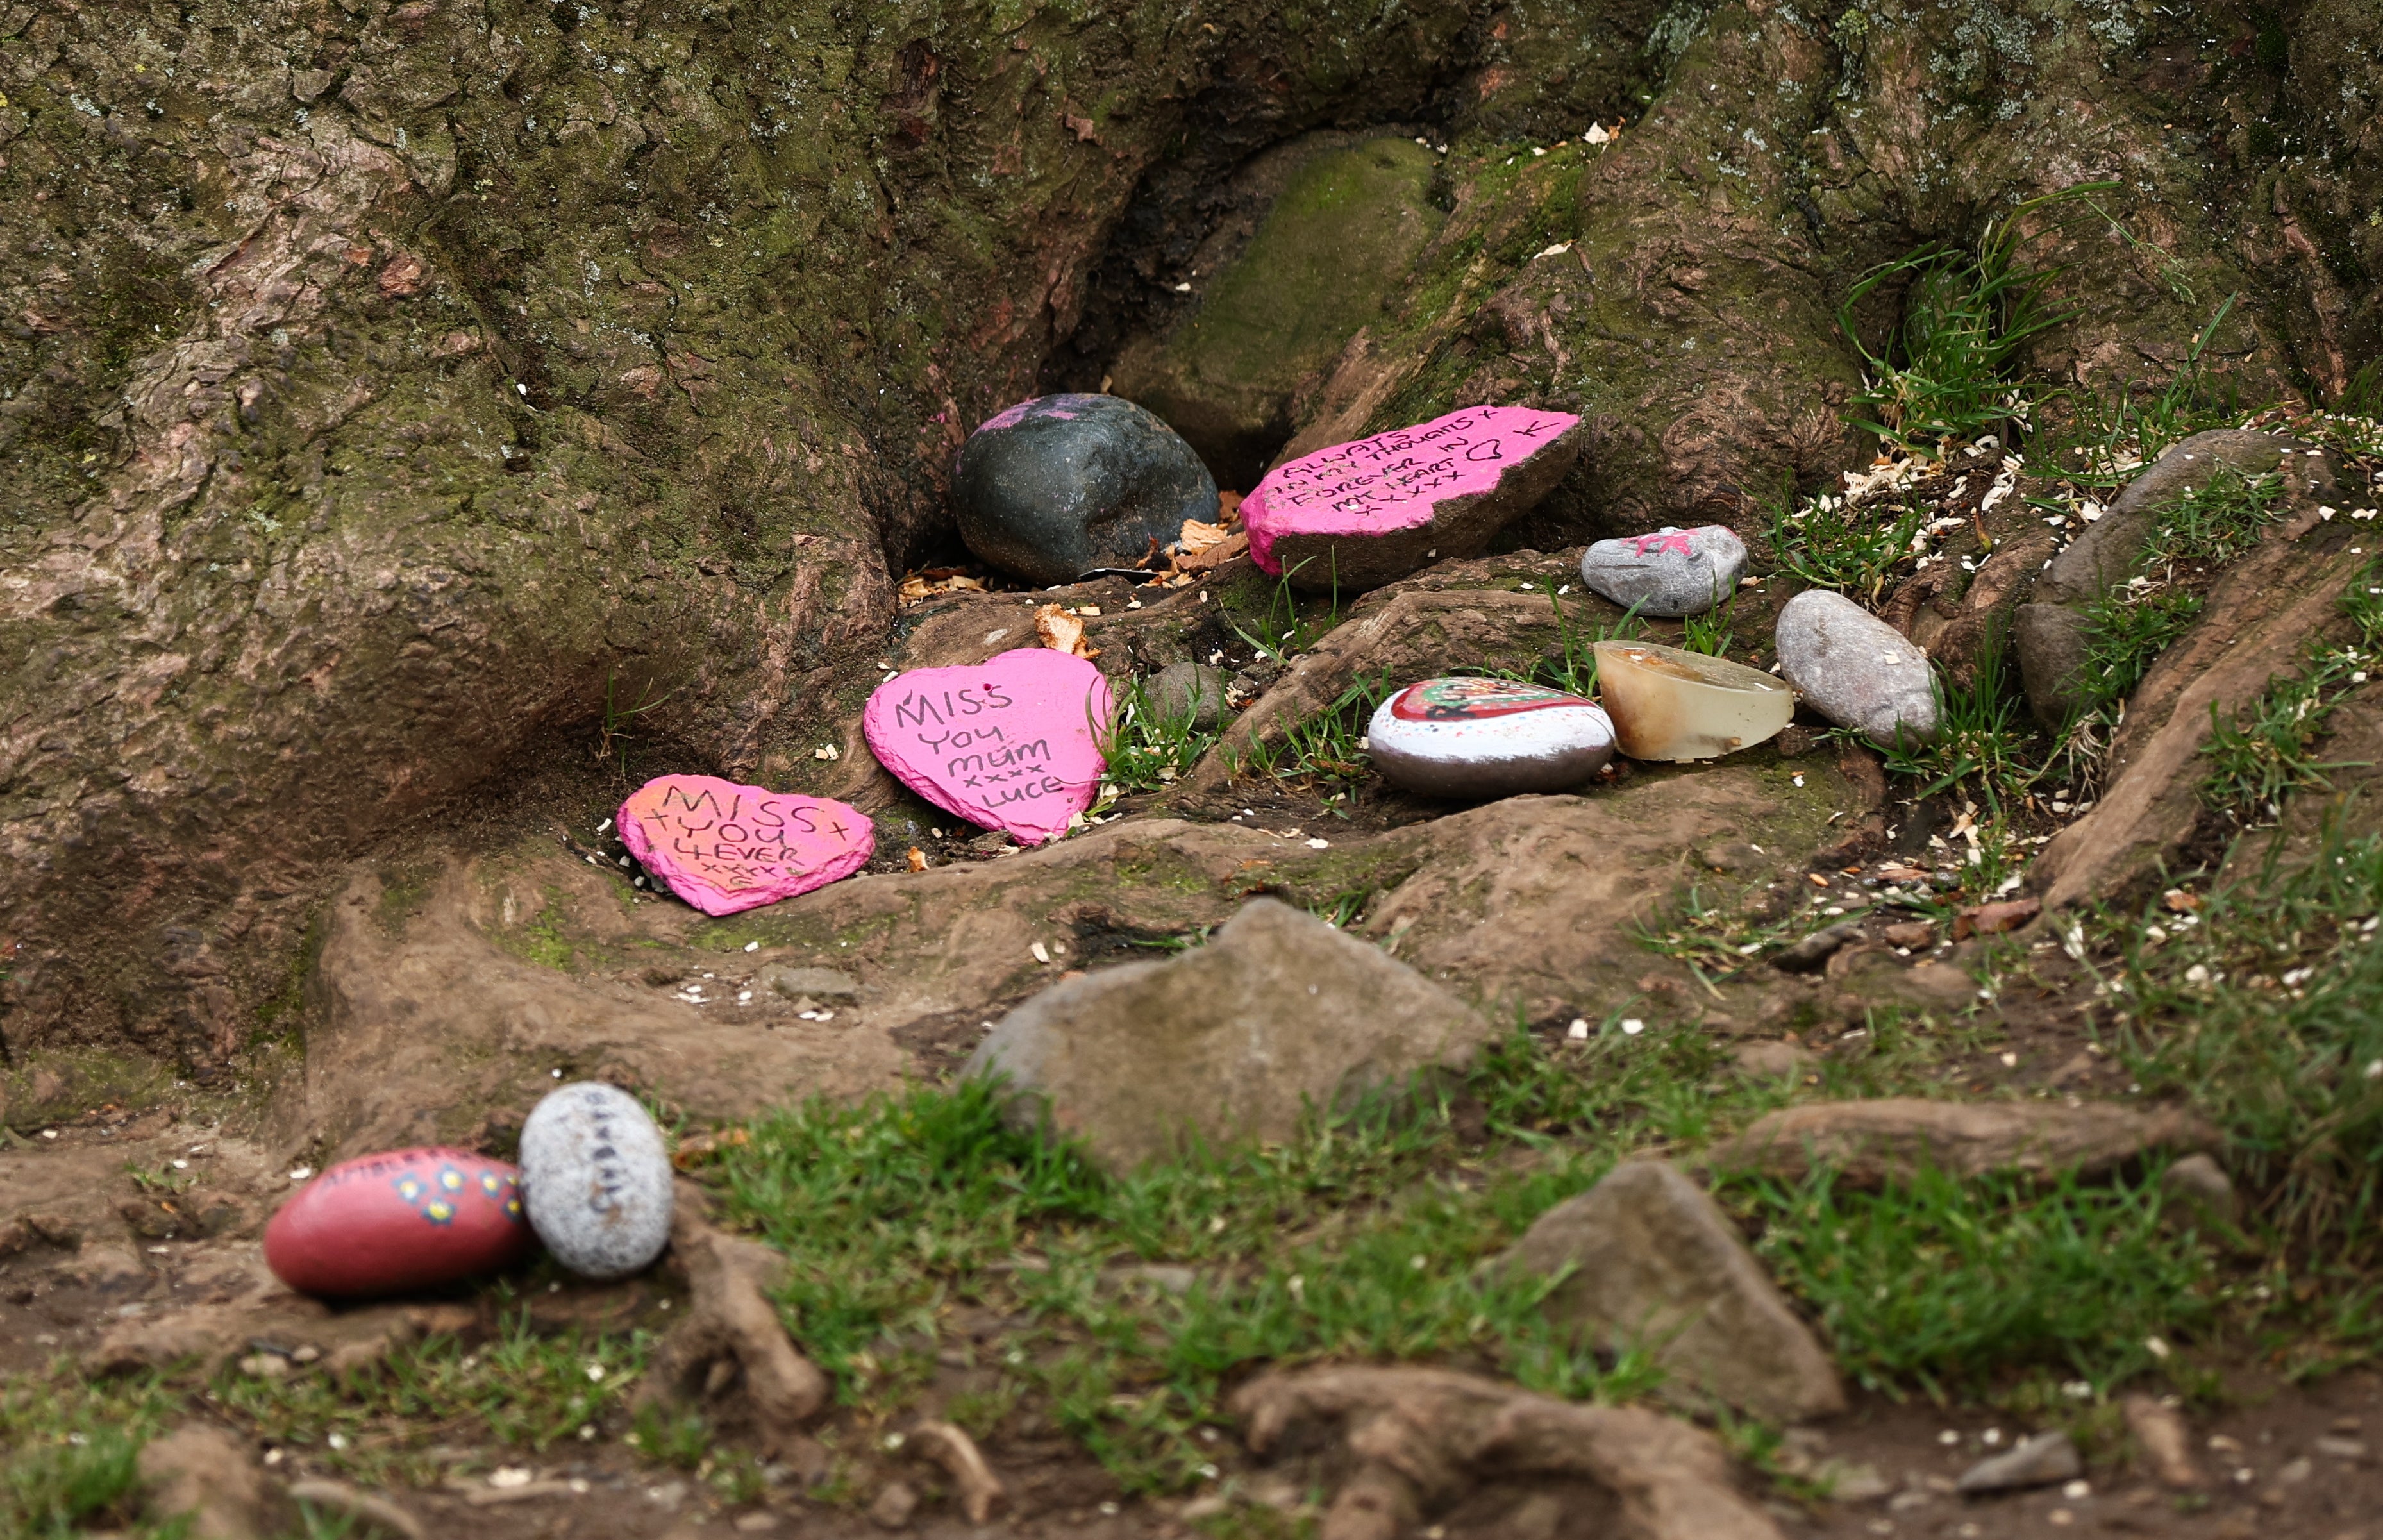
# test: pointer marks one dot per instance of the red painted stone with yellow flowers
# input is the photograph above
(404, 1220)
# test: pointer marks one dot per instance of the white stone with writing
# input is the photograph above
(597, 1180)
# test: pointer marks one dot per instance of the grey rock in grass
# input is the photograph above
(1233, 1039)
(2037, 1462)
(1058, 486)
(2197, 1191)
(1193, 690)
(1670, 572)
(596, 1180)
(2048, 632)
(1854, 669)
(1658, 1265)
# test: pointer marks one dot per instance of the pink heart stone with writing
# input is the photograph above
(1364, 513)
(725, 848)
(1011, 742)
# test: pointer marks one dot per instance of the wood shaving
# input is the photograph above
(1062, 632)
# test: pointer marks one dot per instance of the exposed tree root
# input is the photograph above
(361, 1507)
(731, 1344)
(953, 1449)
(1419, 1438)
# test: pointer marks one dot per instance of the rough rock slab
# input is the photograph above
(1233, 1039)
(1656, 1265)
(2259, 619)
(1055, 486)
(1012, 743)
(1894, 1138)
(1854, 669)
(1369, 511)
(428, 1021)
(725, 847)
(2048, 630)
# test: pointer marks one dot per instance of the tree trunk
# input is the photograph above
(382, 384)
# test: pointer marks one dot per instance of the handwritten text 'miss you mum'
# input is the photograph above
(978, 752)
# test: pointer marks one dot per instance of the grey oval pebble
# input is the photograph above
(597, 1180)
(1671, 572)
(1854, 669)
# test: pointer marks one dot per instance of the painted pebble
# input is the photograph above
(1364, 513)
(392, 1223)
(1060, 484)
(1011, 742)
(1487, 737)
(597, 1180)
(726, 848)
(1854, 669)
(1672, 705)
(1671, 572)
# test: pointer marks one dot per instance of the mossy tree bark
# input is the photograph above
(379, 381)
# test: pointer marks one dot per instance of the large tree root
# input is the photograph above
(1420, 1437)
(731, 1352)
(953, 1449)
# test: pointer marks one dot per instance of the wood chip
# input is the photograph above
(1062, 632)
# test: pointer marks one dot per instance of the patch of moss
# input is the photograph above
(404, 888)
(1332, 250)
(50, 1086)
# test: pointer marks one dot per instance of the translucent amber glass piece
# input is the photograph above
(1672, 705)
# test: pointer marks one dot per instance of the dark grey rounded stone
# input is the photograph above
(597, 1180)
(1060, 484)
(1193, 690)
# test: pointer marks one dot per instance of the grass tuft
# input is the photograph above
(1145, 747)
(1944, 376)
(1950, 1285)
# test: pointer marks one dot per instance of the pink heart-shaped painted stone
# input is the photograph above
(725, 848)
(1011, 742)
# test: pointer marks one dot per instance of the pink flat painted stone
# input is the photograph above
(1011, 742)
(726, 848)
(1364, 513)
